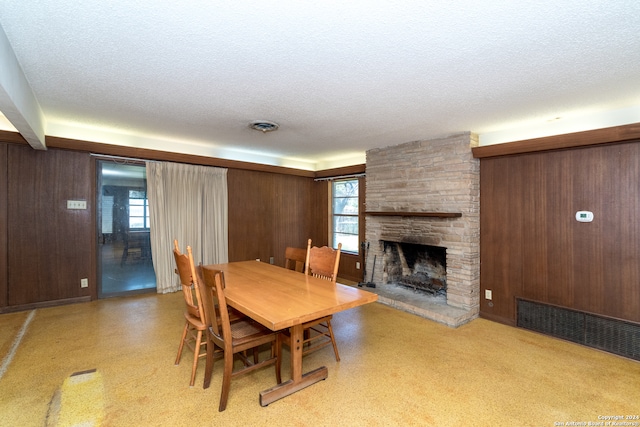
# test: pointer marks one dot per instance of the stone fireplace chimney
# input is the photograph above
(428, 193)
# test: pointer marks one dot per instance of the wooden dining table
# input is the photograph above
(279, 298)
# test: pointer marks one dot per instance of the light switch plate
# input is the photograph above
(76, 204)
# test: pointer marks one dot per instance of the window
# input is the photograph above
(138, 209)
(344, 214)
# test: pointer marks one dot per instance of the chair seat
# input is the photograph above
(234, 316)
(248, 330)
(195, 322)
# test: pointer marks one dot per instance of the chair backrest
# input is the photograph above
(190, 281)
(323, 262)
(214, 286)
(295, 258)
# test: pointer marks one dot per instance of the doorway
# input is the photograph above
(124, 249)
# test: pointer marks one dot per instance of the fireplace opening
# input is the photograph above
(422, 268)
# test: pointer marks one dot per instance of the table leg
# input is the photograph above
(298, 381)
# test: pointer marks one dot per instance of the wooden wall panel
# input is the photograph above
(534, 222)
(249, 217)
(50, 246)
(320, 212)
(267, 213)
(502, 229)
(616, 175)
(3, 224)
(532, 246)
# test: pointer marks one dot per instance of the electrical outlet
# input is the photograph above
(270, 260)
(488, 294)
(84, 283)
(357, 265)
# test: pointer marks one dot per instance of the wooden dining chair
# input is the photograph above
(295, 258)
(195, 318)
(321, 262)
(234, 338)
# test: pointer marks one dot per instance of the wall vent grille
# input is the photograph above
(604, 333)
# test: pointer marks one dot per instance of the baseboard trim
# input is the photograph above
(43, 304)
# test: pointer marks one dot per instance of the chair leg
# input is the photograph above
(333, 340)
(196, 356)
(184, 336)
(226, 380)
(209, 366)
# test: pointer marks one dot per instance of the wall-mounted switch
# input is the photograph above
(84, 283)
(357, 265)
(76, 204)
(488, 294)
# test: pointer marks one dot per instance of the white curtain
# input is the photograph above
(188, 203)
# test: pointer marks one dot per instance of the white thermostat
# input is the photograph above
(584, 216)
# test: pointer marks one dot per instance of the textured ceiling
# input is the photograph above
(339, 77)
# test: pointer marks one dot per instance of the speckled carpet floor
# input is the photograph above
(110, 363)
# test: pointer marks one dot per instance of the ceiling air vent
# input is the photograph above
(264, 126)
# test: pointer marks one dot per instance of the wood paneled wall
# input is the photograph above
(533, 247)
(268, 212)
(4, 243)
(45, 249)
(49, 245)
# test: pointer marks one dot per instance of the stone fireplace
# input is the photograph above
(426, 193)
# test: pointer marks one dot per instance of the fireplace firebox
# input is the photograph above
(422, 268)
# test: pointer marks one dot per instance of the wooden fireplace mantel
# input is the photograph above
(423, 214)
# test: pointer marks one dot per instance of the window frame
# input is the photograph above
(145, 210)
(333, 215)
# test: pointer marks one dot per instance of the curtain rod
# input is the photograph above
(333, 178)
(107, 156)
